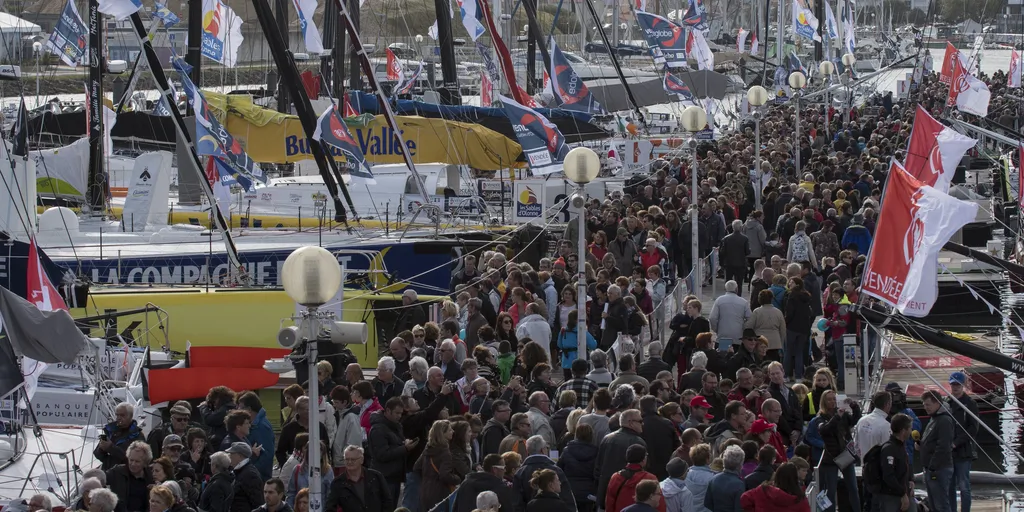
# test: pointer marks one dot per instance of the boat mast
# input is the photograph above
(303, 109)
(535, 38)
(194, 57)
(332, 64)
(182, 132)
(618, 67)
(449, 92)
(355, 82)
(281, 16)
(98, 184)
(781, 34)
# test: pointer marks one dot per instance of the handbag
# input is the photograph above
(846, 456)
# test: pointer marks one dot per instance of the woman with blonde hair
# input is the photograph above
(570, 428)
(436, 466)
(823, 381)
(829, 433)
(546, 487)
(160, 499)
(449, 311)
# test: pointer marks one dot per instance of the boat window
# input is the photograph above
(410, 186)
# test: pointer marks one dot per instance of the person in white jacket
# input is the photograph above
(347, 431)
(535, 327)
(873, 429)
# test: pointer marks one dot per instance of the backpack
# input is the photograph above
(872, 468)
(799, 246)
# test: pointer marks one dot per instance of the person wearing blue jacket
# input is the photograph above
(261, 434)
(858, 235)
(899, 405)
(568, 343)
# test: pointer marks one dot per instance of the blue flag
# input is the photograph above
(666, 39)
(696, 16)
(70, 36)
(675, 85)
(542, 141)
(230, 176)
(165, 15)
(213, 131)
(492, 67)
(569, 90)
(331, 130)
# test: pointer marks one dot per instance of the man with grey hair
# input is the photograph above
(600, 373)
(487, 501)
(728, 314)
(537, 458)
(116, 436)
(694, 379)
(218, 494)
(130, 481)
(412, 312)
(475, 319)
(654, 364)
(734, 253)
(540, 419)
(84, 489)
(297, 425)
(450, 367)
(615, 318)
(418, 367)
(432, 391)
(724, 490)
(386, 384)
(102, 500)
(611, 454)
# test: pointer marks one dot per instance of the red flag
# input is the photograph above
(934, 151)
(947, 63)
(957, 82)
(39, 289)
(394, 67)
(486, 90)
(348, 111)
(916, 221)
(528, 100)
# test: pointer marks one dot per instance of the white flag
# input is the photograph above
(697, 47)
(754, 45)
(222, 33)
(432, 31)
(310, 34)
(741, 40)
(120, 9)
(830, 22)
(1013, 76)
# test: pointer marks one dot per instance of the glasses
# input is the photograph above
(502, 411)
(179, 419)
(172, 448)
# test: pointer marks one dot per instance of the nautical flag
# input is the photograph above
(697, 47)
(395, 71)
(781, 84)
(120, 9)
(542, 142)
(849, 36)
(19, 132)
(165, 15)
(213, 132)
(472, 18)
(666, 39)
(70, 36)
(1013, 76)
(489, 64)
(804, 23)
(222, 33)
(640, 5)
(675, 85)
(331, 130)
(347, 107)
(41, 292)
(934, 151)
(486, 90)
(741, 40)
(795, 64)
(917, 220)
(754, 45)
(310, 34)
(830, 22)
(407, 85)
(226, 175)
(530, 102)
(947, 63)
(568, 89)
(696, 16)
(970, 94)
(432, 30)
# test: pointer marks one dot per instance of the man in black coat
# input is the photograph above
(131, 481)
(734, 253)
(388, 444)
(659, 432)
(744, 357)
(536, 460)
(359, 489)
(791, 423)
(654, 364)
(248, 485)
(117, 436)
(616, 320)
(219, 492)
(433, 390)
(492, 478)
(412, 313)
(893, 490)
(765, 468)
(496, 428)
(611, 454)
(298, 424)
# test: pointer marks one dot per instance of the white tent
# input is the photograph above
(13, 33)
(12, 23)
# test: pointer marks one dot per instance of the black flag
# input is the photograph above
(19, 132)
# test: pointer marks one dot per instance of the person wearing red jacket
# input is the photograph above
(365, 397)
(780, 494)
(771, 411)
(622, 485)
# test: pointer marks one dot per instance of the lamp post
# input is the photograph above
(694, 120)
(581, 166)
(826, 68)
(311, 276)
(37, 50)
(797, 81)
(849, 60)
(757, 96)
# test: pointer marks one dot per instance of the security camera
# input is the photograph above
(288, 337)
(348, 333)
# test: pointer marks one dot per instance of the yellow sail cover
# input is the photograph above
(270, 136)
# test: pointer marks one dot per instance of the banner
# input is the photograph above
(70, 36)
(331, 130)
(310, 34)
(1013, 76)
(222, 33)
(472, 18)
(917, 220)
(119, 9)
(934, 151)
(395, 73)
(804, 23)
(407, 85)
(970, 94)
(227, 175)
(165, 15)
(568, 89)
(697, 47)
(696, 16)
(754, 45)
(542, 142)
(489, 64)
(849, 33)
(666, 39)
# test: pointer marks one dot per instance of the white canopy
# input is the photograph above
(10, 22)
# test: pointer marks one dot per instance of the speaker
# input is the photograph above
(288, 337)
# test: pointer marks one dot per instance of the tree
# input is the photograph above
(899, 10)
(956, 11)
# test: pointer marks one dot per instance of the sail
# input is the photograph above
(62, 171)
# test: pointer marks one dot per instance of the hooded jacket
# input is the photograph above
(387, 447)
(218, 494)
(697, 480)
(347, 433)
(262, 433)
(248, 487)
(568, 345)
(937, 441)
(966, 427)
(798, 312)
(768, 498)
(678, 497)
(537, 329)
(577, 462)
(756, 237)
(622, 488)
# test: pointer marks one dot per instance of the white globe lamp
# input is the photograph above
(797, 80)
(694, 119)
(581, 165)
(311, 276)
(757, 96)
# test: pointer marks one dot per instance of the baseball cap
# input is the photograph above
(761, 425)
(636, 454)
(240, 448)
(172, 440)
(700, 401)
(958, 378)
(893, 386)
(622, 231)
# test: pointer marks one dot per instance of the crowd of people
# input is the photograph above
(729, 408)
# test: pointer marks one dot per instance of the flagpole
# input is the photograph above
(97, 181)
